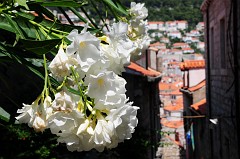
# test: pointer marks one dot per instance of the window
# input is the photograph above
(173, 97)
(222, 43)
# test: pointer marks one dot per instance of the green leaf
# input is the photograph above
(4, 115)
(39, 47)
(22, 3)
(73, 91)
(116, 6)
(14, 25)
(54, 81)
(38, 73)
(5, 25)
(63, 3)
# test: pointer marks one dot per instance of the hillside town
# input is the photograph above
(182, 66)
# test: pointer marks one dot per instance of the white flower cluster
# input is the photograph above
(90, 108)
(138, 29)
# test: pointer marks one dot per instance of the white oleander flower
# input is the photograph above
(137, 29)
(84, 47)
(35, 115)
(101, 65)
(124, 120)
(141, 45)
(103, 132)
(60, 65)
(119, 47)
(39, 123)
(27, 112)
(100, 85)
(138, 11)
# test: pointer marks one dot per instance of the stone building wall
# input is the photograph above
(222, 139)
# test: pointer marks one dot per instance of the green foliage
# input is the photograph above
(168, 10)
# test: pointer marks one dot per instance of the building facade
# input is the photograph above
(222, 39)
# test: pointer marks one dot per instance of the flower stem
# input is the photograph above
(45, 89)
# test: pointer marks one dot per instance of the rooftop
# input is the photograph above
(200, 106)
(157, 44)
(192, 64)
(198, 86)
(174, 108)
(172, 124)
(143, 71)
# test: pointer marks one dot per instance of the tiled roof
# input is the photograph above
(143, 71)
(173, 108)
(198, 86)
(172, 124)
(175, 50)
(174, 63)
(176, 92)
(155, 22)
(188, 48)
(157, 44)
(200, 106)
(175, 105)
(153, 49)
(179, 44)
(168, 86)
(181, 21)
(192, 64)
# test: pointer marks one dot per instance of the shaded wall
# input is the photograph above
(144, 93)
(222, 59)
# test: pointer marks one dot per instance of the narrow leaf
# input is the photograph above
(116, 6)
(14, 25)
(4, 115)
(39, 47)
(5, 25)
(73, 91)
(63, 4)
(39, 74)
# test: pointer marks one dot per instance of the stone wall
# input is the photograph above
(222, 137)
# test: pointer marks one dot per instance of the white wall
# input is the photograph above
(196, 76)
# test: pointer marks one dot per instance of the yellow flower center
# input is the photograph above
(82, 44)
(100, 82)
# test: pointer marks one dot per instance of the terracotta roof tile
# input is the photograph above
(198, 86)
(168, 86)
(192, 64)
(157, 44)
(176, 92)
(175, 105)
(174, 108)
(138, 68)
(153, 48)
(179, 44)
(187, 48)
(155, 22)
(172, 124)
(200, 106)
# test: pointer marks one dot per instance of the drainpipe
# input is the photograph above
(209, 84)
(236, 67)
